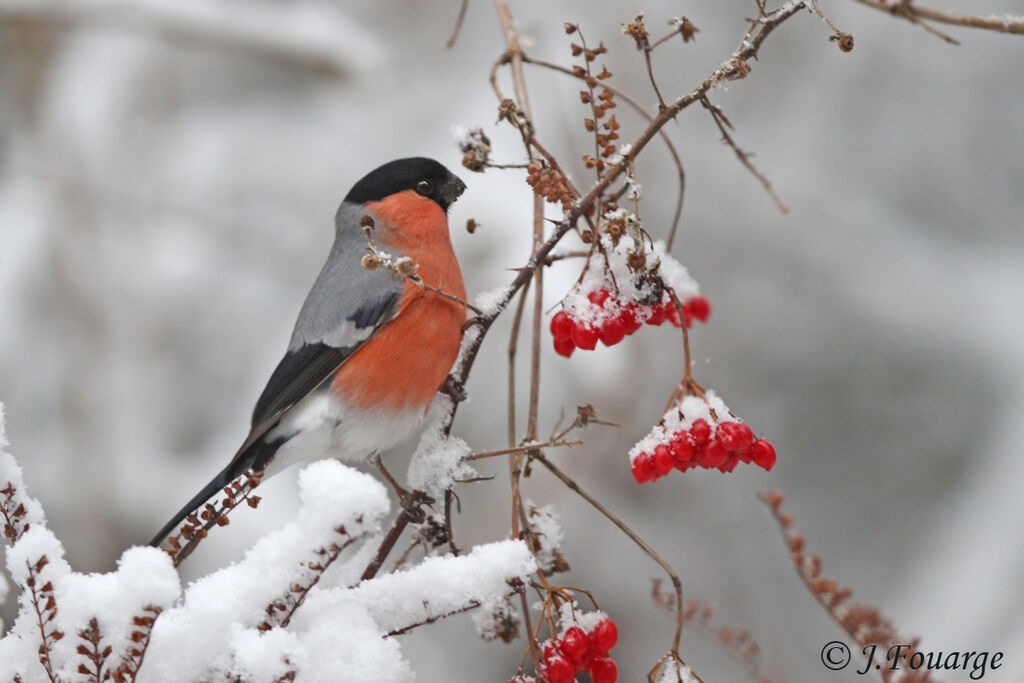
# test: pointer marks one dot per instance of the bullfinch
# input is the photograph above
(370, 347)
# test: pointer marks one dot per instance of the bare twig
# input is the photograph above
(522, 449)
(915, 13)
(650, 118)
(458, 24)
(648, 550)
(724, 125)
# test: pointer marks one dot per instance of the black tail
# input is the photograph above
(222, 479)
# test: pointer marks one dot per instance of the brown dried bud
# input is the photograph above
(371, 262)
(576, 49)
(600, 49)
(686, 28)
(506, 109)
(366, 222)
(570, 28)
(773, 499)
(589, 125)
(590, 81)
(589, 55)
(405, 266)
(605, 73)
(471, 226)
(587, 237)
(578, 71)
(637, 31)
(739, 70)
(845, 41)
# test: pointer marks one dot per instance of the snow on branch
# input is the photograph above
(294, 604)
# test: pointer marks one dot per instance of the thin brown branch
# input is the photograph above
(411, 512)
(522, 449)
(723, 124)
(650, 119)
(648, 550)
(915, 13)
(458, 24)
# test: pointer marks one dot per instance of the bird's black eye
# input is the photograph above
(423, 187)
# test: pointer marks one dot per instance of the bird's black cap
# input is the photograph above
(425, 176)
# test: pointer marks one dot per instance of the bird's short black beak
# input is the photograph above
(452, 190)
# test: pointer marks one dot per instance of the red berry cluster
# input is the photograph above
(723, 447)
(619, 318)
(576, 650)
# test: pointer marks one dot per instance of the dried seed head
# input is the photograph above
(570, 28)
(405, 266)
(845, 41)
(637, 31)
(366, 222)
(685, 27)
(371, 262)
(577, 50)
(471, 226)
(506, 110)
(739, 70)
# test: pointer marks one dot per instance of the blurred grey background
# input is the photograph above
(168, 174)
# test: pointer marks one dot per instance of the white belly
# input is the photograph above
(323, 426)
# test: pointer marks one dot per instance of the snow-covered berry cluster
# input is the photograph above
(699, 432)
(610, 319)
(577, 650)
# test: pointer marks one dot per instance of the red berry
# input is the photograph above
(763, 454)
(657, 315)
(682, 447)
(599, 296)
(564, 347)
(604, 670)
(559, 670)
(734, 435)
(700, 308)
(561, 325)
(584, 336)
(663, 460)
(744, 454)
(672, 313)
(631, 318)
(643, 468)
(604, 636)
(729, 464)
(712, 455)
(700, 430)
(552, 649)
(612, 331)
(575, 642)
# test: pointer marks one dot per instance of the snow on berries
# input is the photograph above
(621, 292)
(582, 646)
(698, 432)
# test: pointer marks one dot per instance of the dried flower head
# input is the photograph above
(637, 31)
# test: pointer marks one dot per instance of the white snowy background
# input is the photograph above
(168, 174)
